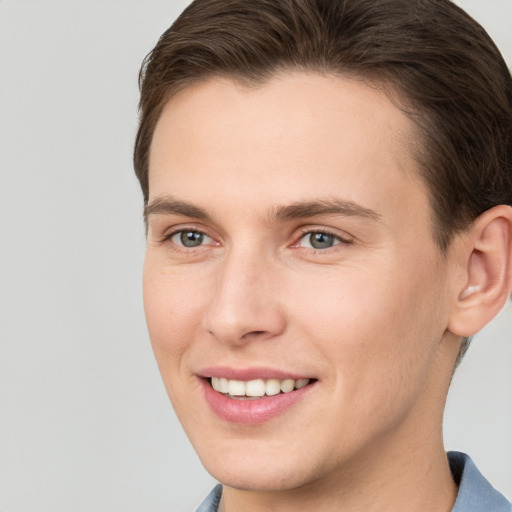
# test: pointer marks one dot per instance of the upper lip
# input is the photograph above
(249, 373)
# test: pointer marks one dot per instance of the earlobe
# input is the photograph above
(488, 272)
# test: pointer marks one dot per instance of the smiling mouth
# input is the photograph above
(257, 388)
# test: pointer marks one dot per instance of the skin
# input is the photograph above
(367, 317)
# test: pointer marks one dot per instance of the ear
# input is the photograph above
(487, 277)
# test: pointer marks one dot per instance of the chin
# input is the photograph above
(258, 480)
(249, 471)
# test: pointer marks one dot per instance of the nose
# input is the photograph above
(245, 305)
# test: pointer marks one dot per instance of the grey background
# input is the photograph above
(84, 420)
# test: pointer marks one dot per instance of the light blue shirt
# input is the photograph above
(475, 494)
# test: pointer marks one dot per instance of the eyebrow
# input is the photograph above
(170, 206)
(323, 207)
(301, 209)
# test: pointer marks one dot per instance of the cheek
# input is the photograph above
(172, 307)
(378, 334)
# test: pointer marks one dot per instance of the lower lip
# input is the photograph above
(254, 411)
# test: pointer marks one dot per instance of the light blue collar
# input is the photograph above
(475, 494)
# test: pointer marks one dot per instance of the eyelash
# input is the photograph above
(169, 236)
(306, 232)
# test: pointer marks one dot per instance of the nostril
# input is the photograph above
(253, 334)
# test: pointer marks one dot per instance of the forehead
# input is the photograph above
(297, 134)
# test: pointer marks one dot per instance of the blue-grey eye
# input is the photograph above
(319, 240)
(190, 238)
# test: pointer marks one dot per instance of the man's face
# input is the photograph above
(290, 239)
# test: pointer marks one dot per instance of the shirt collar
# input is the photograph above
(475, 494)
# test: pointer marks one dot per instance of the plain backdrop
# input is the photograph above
(85, 424)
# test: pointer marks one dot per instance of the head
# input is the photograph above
(428, 69)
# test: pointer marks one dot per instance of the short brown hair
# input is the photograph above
(451, 80)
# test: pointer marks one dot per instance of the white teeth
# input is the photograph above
(223, 385)
(287, 385)
(272, 387)
(301, 383)
(236, 388)
(256, 387)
